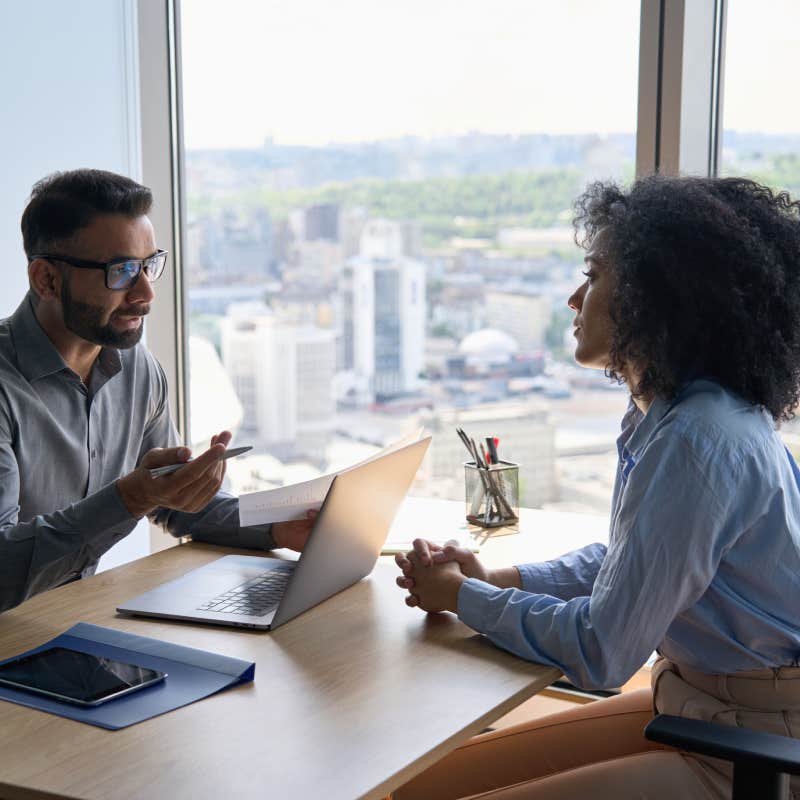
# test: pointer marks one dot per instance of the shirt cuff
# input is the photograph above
(258, 537)
(474, 598)
(106, 506)
(253, 537)
(102, 519)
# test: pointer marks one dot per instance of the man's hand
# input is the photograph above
(189, 489)
(435, 586)
(294, 533)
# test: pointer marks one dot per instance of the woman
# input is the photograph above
(692, 298)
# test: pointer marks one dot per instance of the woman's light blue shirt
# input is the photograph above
(703, 560)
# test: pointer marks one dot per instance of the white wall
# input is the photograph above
(70, 98)
(69, 79)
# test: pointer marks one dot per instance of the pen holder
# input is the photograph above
(492, 494)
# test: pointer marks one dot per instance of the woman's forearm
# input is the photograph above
(505, 578)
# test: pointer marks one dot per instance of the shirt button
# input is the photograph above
(94, 453)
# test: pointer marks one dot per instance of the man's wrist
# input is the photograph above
(274, 534)
(137, 506)
(269, 537)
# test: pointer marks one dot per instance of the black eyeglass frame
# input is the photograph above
(144, 266)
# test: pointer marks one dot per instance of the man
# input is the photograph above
(83, 405)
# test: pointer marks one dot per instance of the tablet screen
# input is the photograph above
(74, 676)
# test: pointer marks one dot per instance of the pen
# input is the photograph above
(160, 471)
(490, 487)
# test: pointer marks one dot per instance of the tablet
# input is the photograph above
(74, 677)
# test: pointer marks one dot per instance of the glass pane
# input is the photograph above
(761, 138)
(379, 232)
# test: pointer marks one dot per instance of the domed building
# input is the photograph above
(487, 349)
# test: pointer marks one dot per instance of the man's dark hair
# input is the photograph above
(65, 202)
(707, 284)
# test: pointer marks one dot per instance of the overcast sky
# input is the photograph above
(316, 71)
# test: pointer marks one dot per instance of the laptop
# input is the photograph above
(342, 548)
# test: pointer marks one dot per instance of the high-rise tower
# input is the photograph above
(382, 315)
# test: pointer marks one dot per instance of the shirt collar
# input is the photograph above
(37, 356)
(109, 363)
(641, 426)
(646, 424)
(630, 420)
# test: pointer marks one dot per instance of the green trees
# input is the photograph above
(475, 206)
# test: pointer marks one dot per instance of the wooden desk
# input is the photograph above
(539, 535)
(350, 700)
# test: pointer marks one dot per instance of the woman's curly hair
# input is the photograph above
(707, 284)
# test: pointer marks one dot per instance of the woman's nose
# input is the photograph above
(575, 300)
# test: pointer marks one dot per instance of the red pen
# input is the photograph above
(491, 443)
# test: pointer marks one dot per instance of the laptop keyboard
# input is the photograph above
(253, 598)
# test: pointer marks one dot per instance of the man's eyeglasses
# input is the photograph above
(121, 273)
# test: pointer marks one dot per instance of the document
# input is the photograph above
(291, 502)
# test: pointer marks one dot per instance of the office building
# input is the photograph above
(313, 263)
(527, 437)
(382, 315)
(283, 376)
(523, 316)
(322, 223)
(235, 248)
(351, 226)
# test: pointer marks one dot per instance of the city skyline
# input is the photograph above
(291, 157)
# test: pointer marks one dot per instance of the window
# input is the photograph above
(378, 231)
(761, 136)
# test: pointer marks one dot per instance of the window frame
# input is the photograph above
(162, 170)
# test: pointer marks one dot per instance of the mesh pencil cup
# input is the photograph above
(492, 494)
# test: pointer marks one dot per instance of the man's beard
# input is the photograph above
(83, 320)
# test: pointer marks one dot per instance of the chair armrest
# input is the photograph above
(724, 741)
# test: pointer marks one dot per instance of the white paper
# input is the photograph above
(291, 502)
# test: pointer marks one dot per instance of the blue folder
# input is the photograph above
(191, 675)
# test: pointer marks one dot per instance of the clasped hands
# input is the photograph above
(192, 487)
(433, 575)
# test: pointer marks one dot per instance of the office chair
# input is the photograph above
(762, 762)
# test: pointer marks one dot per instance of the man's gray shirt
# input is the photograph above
(62, 447)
